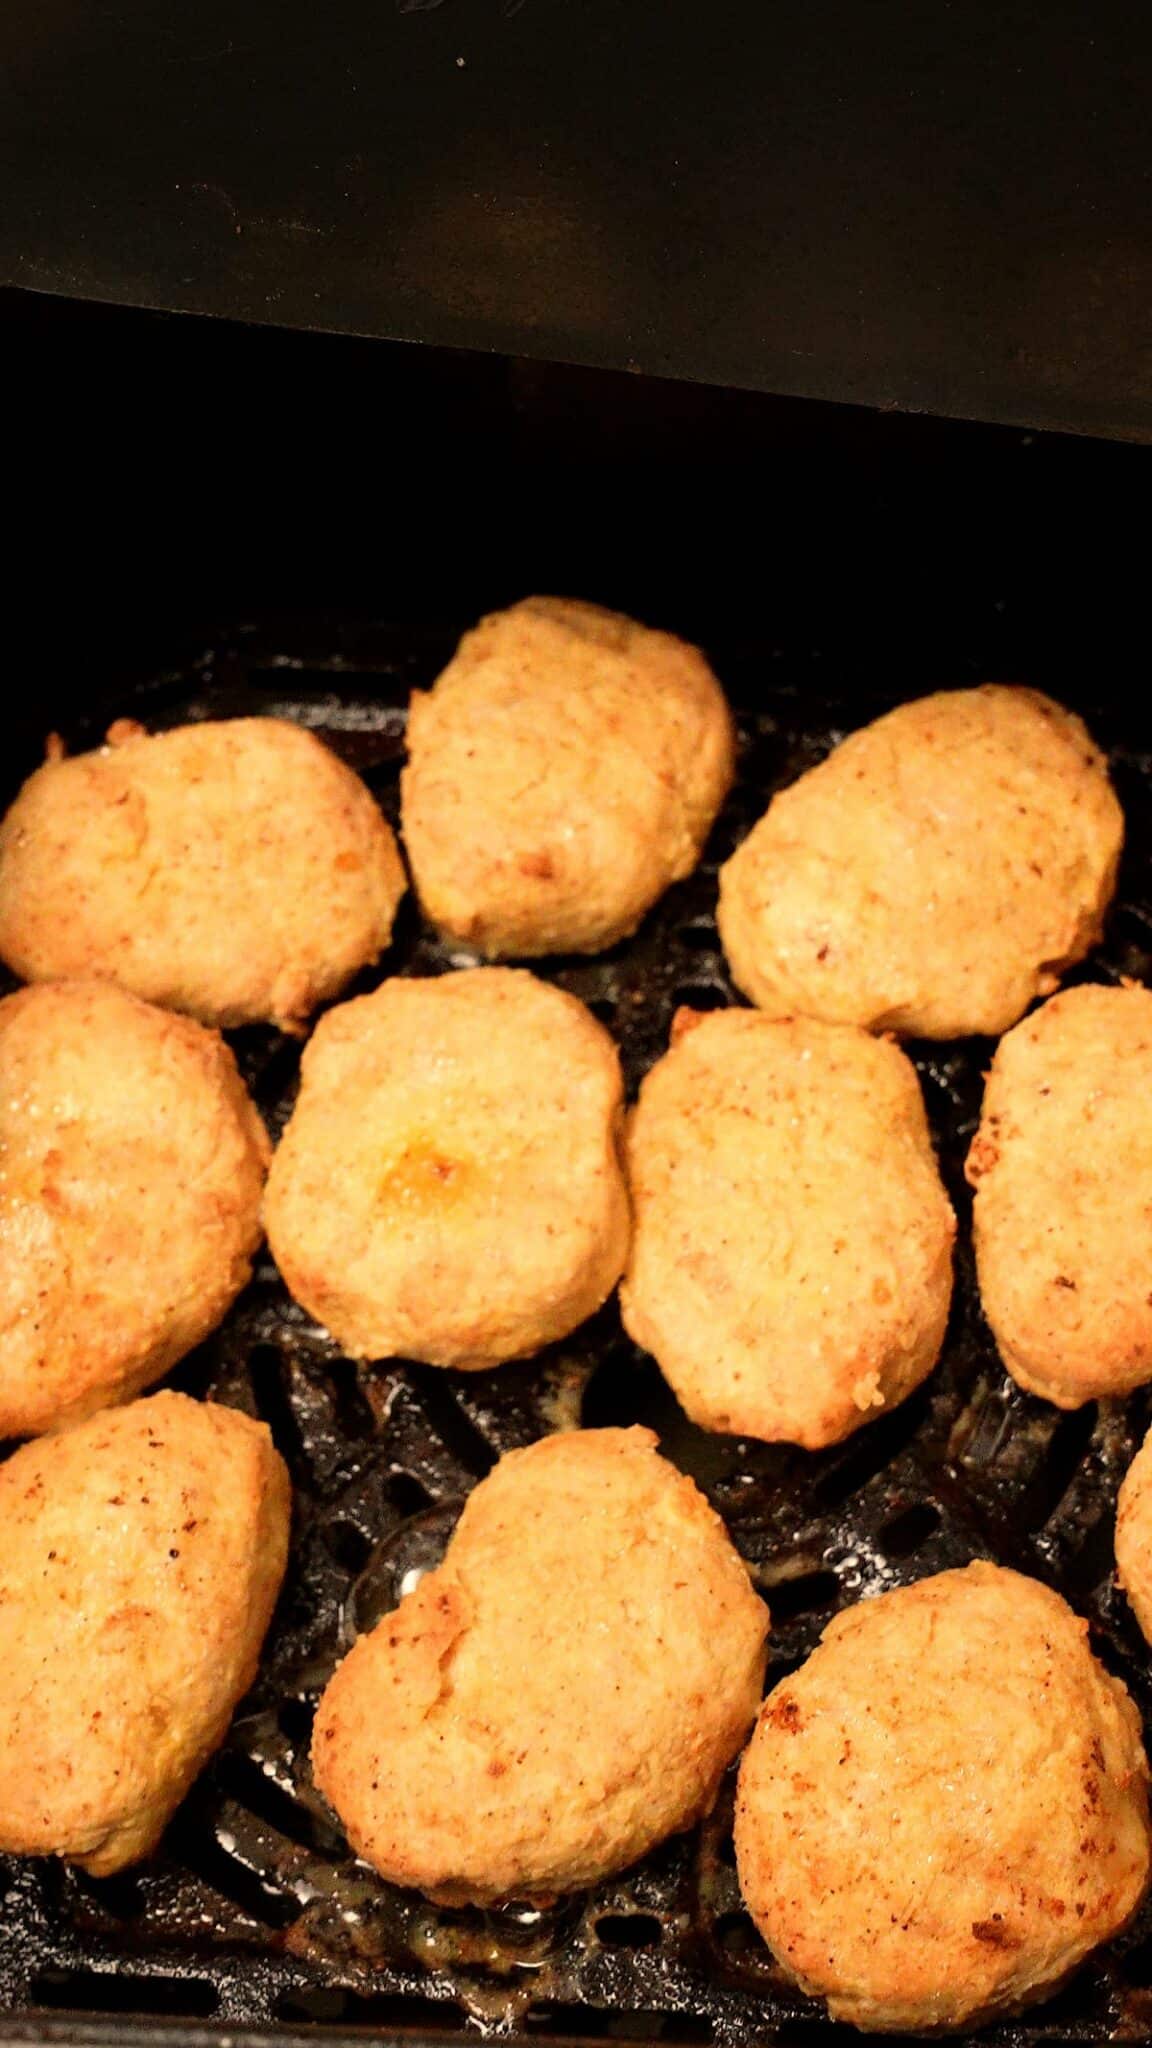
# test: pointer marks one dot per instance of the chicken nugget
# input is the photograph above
(946, 1808)
(449, 1188)
(142, 1555)
(564, 770)
(791, 1262)
(1062, 1217)
(132, 1166)
(235, 870)
(1134, 1535)
(565, 1691)
(940, 869)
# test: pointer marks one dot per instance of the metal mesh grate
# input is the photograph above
(255, 1912)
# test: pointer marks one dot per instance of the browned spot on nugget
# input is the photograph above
(449, 1187)
(996, 1934)
(785, 1713)
(540, 866)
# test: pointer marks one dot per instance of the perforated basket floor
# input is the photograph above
(255, 1913)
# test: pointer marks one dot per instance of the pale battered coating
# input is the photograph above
(449, 1187)
(940, 869)
(564, 1692)
(1062, 1217)
(564, 770)
(1134, 1535)
(142, 1555)
(791, 1262)
(236, 870)
(946, 1808)
(132, 1165)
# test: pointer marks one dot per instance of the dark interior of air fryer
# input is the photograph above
(232, 520)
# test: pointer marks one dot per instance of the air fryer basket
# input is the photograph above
(255, 1915)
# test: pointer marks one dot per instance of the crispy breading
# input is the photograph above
(939, 870)
(140, 1563)
(1062, 1217)
(946, 1808)
(791, 1262)
(565, 769)
(1134, 1535)
(132, 1165)
(449, 1187)
(564, 1692)
(236, 870)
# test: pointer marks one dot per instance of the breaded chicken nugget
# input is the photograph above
(1134, 1535)
(449, 1187)
(141, 1559)
(564, 1692)
(132, 1165)
(564, 770)
(946, 1808)
(237, 870)
(791, 1263)
(1062, 1219)
(940, 869)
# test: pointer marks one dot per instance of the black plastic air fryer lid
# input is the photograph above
(938, 205)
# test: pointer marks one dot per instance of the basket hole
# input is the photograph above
(192, 1844)
(604, 1008)
(1066, 1447)
(108, 1991)
(1092, 1563)
(456, 1430)
(699, 938)
(907, 1532)
(593, 2023)
(806, 1594)
(625, 1387)
(349, 1546)
(736, 1934)
(700, 995)
(384, 2010)
(1136, 1965)
(407, 1495)
(875, 1447)
(266, 1371)
(629, 1930)
(354, 1412)
(295, 1718)
(243, 1778)
(119, 1895)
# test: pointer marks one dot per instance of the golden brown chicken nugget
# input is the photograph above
(141, 1558)
(449, 1187)
(1134, 1535)
(564, 770)
(132, 1166)
(1062, 1218)
(946, 1808)
(565, 1691)
(236, 870)
(791, 1262)
(940, 869)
